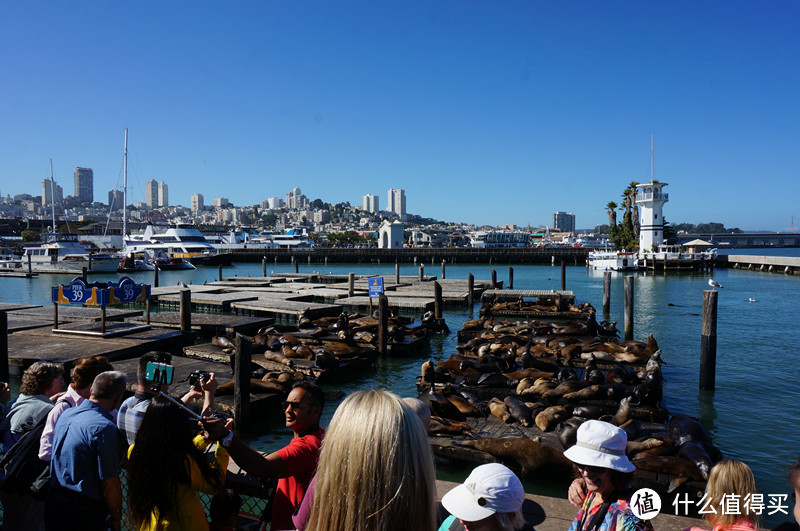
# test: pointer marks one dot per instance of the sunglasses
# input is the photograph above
(296, 406)
(592, 469)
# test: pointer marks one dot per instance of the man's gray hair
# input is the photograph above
(108, 384)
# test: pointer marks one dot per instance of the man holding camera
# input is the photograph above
(292, 466)
(132, 410)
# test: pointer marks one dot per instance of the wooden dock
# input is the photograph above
(284, 310)
(399, 303)
(68, 314)
(770, 264)
(209, 325)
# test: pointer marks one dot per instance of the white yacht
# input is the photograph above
(63, 253)
(178, 241)
(613, 260)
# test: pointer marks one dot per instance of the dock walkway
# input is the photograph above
(771, 264)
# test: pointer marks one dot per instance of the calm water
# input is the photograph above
(750, 415)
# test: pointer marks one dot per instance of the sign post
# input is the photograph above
(375, 290)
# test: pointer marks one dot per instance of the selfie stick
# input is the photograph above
(179, 404)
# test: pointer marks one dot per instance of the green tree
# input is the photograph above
(30, 236)
(611, 208)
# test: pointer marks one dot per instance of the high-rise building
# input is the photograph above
(564, 222)
(151, 193)
(221, 202)
(84, 184)
(163, 195)
(115, 199)
(275, 202)
(397, 202)
(47, 193)
(197, 203)
(370, 203)
(295, 200)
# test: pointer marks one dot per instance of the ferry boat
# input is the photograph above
(63, 253)
(9, 260)
(489, 239)
(293, 239)
(613, 260)
(179, 241)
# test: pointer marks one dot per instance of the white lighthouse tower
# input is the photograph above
(650, 199)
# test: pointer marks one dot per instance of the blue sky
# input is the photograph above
(484, 112)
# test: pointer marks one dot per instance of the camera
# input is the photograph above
(196, 377)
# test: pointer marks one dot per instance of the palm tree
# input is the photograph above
(611, 208)
(635, 209)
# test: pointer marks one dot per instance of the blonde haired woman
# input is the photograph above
(375, 468)
(729, 478)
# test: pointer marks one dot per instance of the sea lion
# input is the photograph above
(223, 343)
(532, 374)
(543, 385)
(587, 393)
(464, 406)
(623, 412)
(498, 408)
(495, 379)
(289, 339)
(519, 411)
(650, 391)
(256, 386)
(570, 386)
(684, 469)
(304, 351)
(550, 417)
(568, 352)
(565, 374)
(588, 412)
(440, 406)
(684, 429)
(444, 426)
(568, 432)
(635, 447)
(476, 402)
(324, 359)
(278, 358)
(531, 455)
(427, 372)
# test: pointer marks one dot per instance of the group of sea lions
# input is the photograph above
(552, 304)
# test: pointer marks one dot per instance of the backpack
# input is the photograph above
(22, 467)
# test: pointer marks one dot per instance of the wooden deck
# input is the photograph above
(67, 313)
(284, 310)
(405, 304)
(209, 324)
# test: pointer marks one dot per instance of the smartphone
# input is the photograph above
(158, 372)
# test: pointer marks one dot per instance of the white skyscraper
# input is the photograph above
(197, 203)
(370, 203)
(151, 193)
(47, 193)
(163, 195)
(397, 202)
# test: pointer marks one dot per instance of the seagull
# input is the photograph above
(751, 299)
(714, 284)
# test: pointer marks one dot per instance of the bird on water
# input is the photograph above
(714, 284)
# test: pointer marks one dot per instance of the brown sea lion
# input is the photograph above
(587, 393)
(223, 343)
(694, 442)
(543, 385)
(256, 386)
(568, 431)
(550, 417)
(635, 447)
(476, 402)
(519, 411)
(623, 412)
(498, 408)
(440, 406)
(278, 358)
(530, 455)
(684, 469)
(427, 372)
(463, 406)
(570, 386)
(588, 412)
(442, 426)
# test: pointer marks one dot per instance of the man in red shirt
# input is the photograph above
(294, 465)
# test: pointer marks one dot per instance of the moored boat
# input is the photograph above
(613, 261)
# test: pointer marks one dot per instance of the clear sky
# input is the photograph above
(488, 112)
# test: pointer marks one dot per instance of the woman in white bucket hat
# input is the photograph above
(606, 471)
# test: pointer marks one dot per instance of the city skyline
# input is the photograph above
(487, 114)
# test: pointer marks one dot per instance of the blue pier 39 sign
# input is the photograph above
(79, 292)
(126, 290)
(375, 287)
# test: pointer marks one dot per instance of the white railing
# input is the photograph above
(651, 196)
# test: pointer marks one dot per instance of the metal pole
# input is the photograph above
(147, 311)
(708, 342)
(296, 265)
(241, 385)
(55, 316)
(103, 319)
(628, 308)
(606, 292)
(84, 274)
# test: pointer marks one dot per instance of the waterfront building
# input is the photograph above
(163, 194)
(564, 222)
(84, 184)
(650, 199)
(151, 193)
(48, 192)
(115, 199)
(197, 203)
(370, 203)
(397, 202)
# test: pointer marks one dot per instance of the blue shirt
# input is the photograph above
(87, 448)
(131, 413)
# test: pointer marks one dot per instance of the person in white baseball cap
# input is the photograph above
(489, 500)
(599, 455)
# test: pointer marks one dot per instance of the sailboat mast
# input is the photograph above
(651, 157)
(52, 196)
(125, 190)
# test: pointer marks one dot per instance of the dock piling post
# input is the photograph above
(30, 266)
(628, 308)
(264, 266)
(241, 381)
(397, 272)
(494, 279)
(55, 316)
(510, 278)
(708, 342)
(563, 276)
(443, 276)
(147, 311)
(103, 319)
(437, 298)
(186, 310)
(351, 280)
(90, 260)
(85, 273)
(606, 292)
(296, 265)
(4, 373)
(470, 291)
(383, 319)
(421, 272)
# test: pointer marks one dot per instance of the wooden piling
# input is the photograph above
(421, 272)
(147, 311)
(606, 292)
(494, 279)
(103, 319)
(510, 278)
(241, 385)
(155, 275)
(437, 300)
(383, 320)
(351, 281)
(443, 276)
(296, 265)
(85, 273)
(397, 272)
(563, 276)
(4, 373)
(470, 291)
(186, 310)
(219, 269)
(708, 342)
(628, 308)
(30, 265)
(264, 266)
(55, 316)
